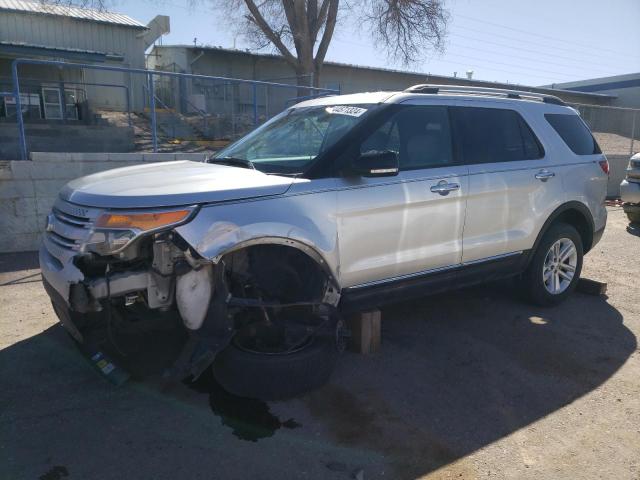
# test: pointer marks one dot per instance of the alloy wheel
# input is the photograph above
(560, 265)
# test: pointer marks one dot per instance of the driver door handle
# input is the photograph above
(443, 187)
(544, 175)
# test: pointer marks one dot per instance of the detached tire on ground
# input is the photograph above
(558, 256)
(275, 376)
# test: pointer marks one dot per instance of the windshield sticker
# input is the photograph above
(346, 110)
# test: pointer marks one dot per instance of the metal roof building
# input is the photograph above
(626, 88)
(69, 11)
(208, 60)
(32, 29)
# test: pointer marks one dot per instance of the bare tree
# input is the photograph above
(301, 30)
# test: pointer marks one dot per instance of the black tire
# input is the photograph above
(633, 216)
(533, 283)
(276, 376)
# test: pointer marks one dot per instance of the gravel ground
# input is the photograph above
(468, 385)
(614, 144)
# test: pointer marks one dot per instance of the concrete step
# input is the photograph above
(170, 124)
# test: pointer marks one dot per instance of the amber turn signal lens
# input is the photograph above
(141, 221)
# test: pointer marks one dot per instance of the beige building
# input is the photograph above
(34, 30)
(347, 78)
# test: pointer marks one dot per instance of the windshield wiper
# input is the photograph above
(232, 162)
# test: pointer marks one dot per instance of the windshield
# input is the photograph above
(289, 142)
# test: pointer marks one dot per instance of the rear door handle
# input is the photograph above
(544, 175)
(443, 187)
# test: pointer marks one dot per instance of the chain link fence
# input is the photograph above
(75, 107)
(205, 109)
(616, 129)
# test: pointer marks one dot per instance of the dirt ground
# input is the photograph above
(472, 384)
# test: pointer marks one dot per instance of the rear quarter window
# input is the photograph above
(487, 135)
(574, 133)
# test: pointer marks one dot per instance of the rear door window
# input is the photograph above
(487, 135)
(574, 132)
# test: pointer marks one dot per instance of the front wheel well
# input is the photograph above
(278, 272)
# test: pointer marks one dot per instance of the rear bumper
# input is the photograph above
(630, 191)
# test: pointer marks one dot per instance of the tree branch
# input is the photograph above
(407, 28)
(312, 15)
(259, 20)
(332, 16)
(322, 17)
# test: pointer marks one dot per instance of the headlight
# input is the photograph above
(141, 221)
(114, 231)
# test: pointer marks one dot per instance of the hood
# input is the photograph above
(170, 184)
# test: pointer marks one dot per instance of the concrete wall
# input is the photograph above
(66, 138)
(29, 188)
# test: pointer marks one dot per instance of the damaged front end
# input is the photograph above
(122, 279)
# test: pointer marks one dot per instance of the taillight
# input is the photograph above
(604, 165)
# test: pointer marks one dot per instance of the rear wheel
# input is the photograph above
(555, 267)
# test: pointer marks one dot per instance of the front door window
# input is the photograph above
(420, 135)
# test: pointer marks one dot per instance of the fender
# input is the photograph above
(266, 240)
(572, 206)
(221, 229)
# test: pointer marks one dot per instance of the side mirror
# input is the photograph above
(375, 163)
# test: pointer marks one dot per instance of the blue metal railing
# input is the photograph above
(149, 74)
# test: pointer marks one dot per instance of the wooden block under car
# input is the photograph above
(365, 331)
(591, 287)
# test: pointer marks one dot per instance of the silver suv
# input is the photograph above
(630, 190)
(338, 204)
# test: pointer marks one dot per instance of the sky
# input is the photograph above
(537, 42)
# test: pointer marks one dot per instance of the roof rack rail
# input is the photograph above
(496, 92)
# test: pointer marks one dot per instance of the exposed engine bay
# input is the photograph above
(265, 298)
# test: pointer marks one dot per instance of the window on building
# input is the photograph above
(30, 103)
(52, 101)
(71, 104)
